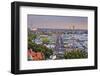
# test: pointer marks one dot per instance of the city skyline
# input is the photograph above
(57, 22)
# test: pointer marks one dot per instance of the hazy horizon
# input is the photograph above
(57, 22)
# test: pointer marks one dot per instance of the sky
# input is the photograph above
(57, 22)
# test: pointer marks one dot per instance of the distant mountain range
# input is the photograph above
(61, 30)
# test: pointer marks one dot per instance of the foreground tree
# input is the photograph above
(75, 54)
(40, 48)
(31, 37)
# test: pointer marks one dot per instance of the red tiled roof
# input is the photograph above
(35, 55)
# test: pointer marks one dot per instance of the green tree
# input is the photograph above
(45, 40)
(31, 36)
(47, 52)
(75, 54)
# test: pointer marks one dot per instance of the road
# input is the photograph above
(59, 44)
